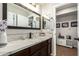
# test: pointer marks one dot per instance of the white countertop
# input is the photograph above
(15, 46)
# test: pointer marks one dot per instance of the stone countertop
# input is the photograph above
(15, 46)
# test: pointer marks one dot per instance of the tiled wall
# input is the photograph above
(15, 34)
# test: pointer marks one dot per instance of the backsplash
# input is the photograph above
(15, 34)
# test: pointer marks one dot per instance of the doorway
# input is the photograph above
(66, 30)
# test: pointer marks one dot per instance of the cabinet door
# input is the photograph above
(22, 21)
(37, 53)
(11, 19)
(74, 43)
(49, 46)
(78, 47)
(44, 51)
(35, 48)
(45, 43)
(59, 41)
(69, 43)
(25, 52)
(63, 42)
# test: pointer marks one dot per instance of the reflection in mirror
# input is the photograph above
(34, 21)
(20, 17)
(46, 23)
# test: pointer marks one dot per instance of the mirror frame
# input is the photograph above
(4, 14)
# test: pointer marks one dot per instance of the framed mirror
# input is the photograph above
(45, 23)
(20, 17)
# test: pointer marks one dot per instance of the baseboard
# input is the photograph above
(65, 46)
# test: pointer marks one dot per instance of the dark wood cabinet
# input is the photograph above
(49, 46)
(44, 51)
(25, 52)
(41, 49)
(37, 53)
(35, 48)
(45, 43)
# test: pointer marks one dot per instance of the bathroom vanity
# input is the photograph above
(40, 49)
(29, 47)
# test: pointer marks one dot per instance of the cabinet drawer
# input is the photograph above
(24, 52)
(35, 48)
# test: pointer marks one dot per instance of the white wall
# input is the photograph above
(15, 34)
(78, 29)
(0, 11)
(48, 10)
(54, 30)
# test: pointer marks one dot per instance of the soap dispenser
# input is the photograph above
(3, 35)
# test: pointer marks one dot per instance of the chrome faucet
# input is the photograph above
(30, 35)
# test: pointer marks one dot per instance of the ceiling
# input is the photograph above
(64, 6)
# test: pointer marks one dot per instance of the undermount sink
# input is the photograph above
(32, 40)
